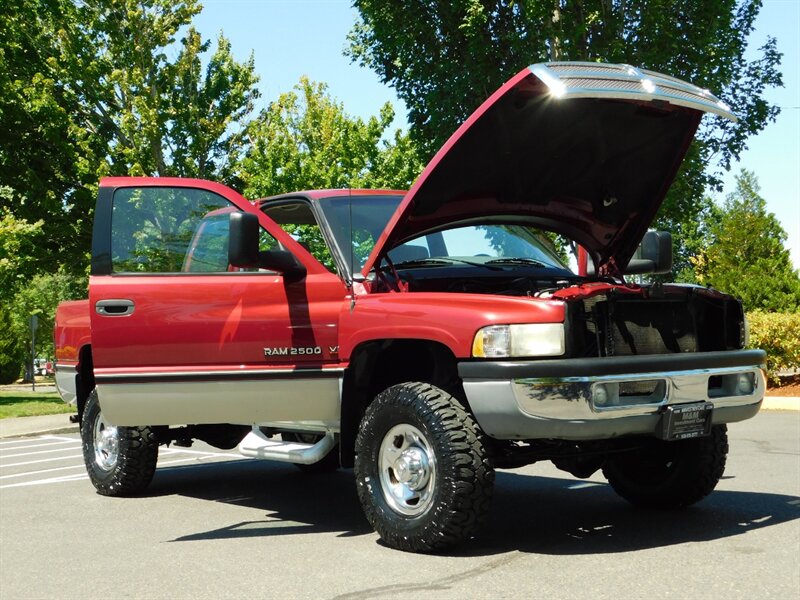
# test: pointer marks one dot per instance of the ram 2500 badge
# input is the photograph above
(425, 338)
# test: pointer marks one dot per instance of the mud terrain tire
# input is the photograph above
(120, 461)
(670, 474)
(423, 472)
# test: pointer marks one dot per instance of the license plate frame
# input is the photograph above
(685, 421)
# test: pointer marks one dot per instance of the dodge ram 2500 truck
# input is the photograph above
(425, 338)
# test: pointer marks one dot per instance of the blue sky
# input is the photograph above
(291, 38)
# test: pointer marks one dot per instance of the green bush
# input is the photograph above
(779, 335)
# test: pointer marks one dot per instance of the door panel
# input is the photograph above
(176, 346)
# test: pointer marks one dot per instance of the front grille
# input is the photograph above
(646, 328)
(692, 320)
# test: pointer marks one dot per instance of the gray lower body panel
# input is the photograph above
(181, 400)
(66, 383)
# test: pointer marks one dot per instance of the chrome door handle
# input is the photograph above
(114, 308)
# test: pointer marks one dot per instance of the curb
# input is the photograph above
(70, 429)
(781, 403)
(32, 426)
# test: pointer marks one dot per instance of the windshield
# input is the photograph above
(490, 245)
(486, 245)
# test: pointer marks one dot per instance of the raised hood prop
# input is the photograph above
(587, 150)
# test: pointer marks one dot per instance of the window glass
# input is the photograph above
(357, 222)
(208, 252)
(171, 230)
(297, 219)
(491, 244)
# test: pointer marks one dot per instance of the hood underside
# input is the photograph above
(583, 149)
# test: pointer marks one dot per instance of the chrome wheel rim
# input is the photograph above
(407, 467)
(106, 444)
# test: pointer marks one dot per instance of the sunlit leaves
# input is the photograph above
(746, 254)
(306, 140)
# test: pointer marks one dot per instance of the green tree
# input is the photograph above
(747, 256)
(306, 140)
(18, 240)
(445, 58)
(39, 153)
(157, 116)
(40, 297)
(89, 89)
(12, 352)
(696, 236)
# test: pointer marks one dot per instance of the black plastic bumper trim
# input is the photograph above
(610, 365)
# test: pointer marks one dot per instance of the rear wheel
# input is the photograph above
(423, 472)
(120, 461)
(670, 474)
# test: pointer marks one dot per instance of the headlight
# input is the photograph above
(506, 341)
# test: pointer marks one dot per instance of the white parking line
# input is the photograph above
(81, 476)
(11, 442)
(41, 471)
(59, 437)
(35, 462)
(63, 479)
(43, 444)
(40, 452)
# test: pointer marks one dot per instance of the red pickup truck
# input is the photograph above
(425, 338)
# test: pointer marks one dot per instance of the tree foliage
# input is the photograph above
(88, 89)
(779, 335)
(12, 353)
(39, 154)
(18, 240)
(306, 140)
(40, 297)
(153, 115)
(445, 58)
(745, 253)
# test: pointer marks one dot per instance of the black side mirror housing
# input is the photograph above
(654, 255)
(243, 249)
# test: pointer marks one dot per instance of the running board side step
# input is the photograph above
(257, 445)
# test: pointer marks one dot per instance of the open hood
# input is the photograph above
(587, 150)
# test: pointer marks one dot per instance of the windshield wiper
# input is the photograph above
(443, 260)
(517, 260)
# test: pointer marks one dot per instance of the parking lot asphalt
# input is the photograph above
(216, 525)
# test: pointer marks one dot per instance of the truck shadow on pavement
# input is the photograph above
(544, 515)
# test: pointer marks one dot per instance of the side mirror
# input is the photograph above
(654, 255)
(243, 248)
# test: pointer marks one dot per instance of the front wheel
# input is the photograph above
(120, 461)
(422, 469)
(670, 474)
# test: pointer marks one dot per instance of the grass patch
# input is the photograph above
(31, 404)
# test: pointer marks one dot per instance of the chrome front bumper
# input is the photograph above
(600, 398)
